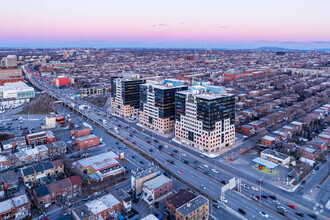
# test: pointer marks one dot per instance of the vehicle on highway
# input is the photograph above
(185, 161)
(86, 198)
(172, 155)
(292, 206)
(160, 147)
(205, 165)
(156, 141)
(133, 156)
(282, 213)
(276, 202)
(141, 162)
(223, 182)
(201, 156)
(206, 173)
(126, 149)
(133, 143)
(254, 198)
(260, 181)
(216, 205)
(313, 172)
(254, 188)
(258, 197)
(175, 151)
(245, 186)
(165, 146)
(272, 197)
(264, 196)
(171, 161)
(312, 215)
(264, 214)
(300, 214)
(183, 155)
(223, 199)
(281, 208)
(167, 174)
(150, 150)
(242, 211)
(203, 187)
(215, 171)
(180, 171)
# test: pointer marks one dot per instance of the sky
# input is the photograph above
(236, 24)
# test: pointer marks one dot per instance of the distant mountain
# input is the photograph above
(275, 49)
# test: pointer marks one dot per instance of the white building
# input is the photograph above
(205, 118)
(15, 93)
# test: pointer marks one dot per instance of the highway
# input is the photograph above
(195, 176)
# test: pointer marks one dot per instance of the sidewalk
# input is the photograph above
(169, 135)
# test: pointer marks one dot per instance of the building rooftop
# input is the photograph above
(8, 177)
(41, 191)
(20, 200)
(101, 161)
(150, 217)
(142, 173)
(275, 153)
(96, 206)
(121, 195)
(265, 163)
(180, 198)
(27, 171)
(109, 200)
(83, 211)
(6, 205)
(192, 205)
(85, 138)
(157, 182)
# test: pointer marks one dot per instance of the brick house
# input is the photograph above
(8, 183)
(247, 129)
(310, 152)
(80, 132)
(156, 189)
(36, 138)
(320, 143)
(55, 191)
(76, 183)
(59, 166)
(268, 140)
(256, 125)
(177, 200)
(86, 142)
(50, 137)
(56, 148)
(66, 188)
(15, 208)
(42, 196)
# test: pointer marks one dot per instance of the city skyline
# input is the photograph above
(171, 24)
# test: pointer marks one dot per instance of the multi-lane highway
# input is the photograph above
(195, 174)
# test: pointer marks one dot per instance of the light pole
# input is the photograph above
(260, 181)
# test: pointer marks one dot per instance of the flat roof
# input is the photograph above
(275, 154)
(192, 205)
(268, 138)
(6, 205)
(101, 161)
(88, 137)
(265, 163)
(150, 217)
(157, 182)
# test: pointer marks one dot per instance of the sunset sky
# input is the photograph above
(300, 24)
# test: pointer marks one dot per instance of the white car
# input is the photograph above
(313, 172)
(183, 155)
(276, 202)
(254, 198)
(254, 188)
(222, 199)
(263, 214)
(205, 165)
(215, 171)
(245, 186)
(165, 146)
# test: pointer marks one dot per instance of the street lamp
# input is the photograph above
(260, 180)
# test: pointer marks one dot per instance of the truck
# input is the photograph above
(88, 125)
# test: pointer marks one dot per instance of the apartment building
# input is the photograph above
(205, 118)
(197, 208)
(125, 95)
(86, 142)
(15, 208)
(157, 105)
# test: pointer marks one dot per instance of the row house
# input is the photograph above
(11, 144)
(320, 143)
(247, 129)
(259, 109)
(310, 152)
(32, 155)
(106, 207)
(269, 105)
(291, 128)
(80, 132)
(283, 134)
(61, 190)
(156, 189)
(269, 140)
(43, 137)
(325, 136)
(257, 125)
(8, 183)
(40, 172)
(56, 148)
(85, 142)
(18, 207)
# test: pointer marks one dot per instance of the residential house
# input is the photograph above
(156, 189)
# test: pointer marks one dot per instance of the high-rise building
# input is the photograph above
(157, 105)
(125, 96)
(9, 62)
(205, 118)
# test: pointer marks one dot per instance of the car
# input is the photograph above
(133, 143)
(216, 205)
(127, 139)
(141, 162)
(172, 155)
(160, 147)
(242, 211)
(183, 155)
(260, 181)
(205, 165)
(264, 214)
(130, 135)
(254, 198)
(201, 156)
(171, 161)
(203, 187)
(276, 202)
(264, 196)
(245, 186)
(223, 199)
(156, 141)
(292, 206)
(316, 168)
(312, 215)
(300, 214)
(196, 162)
(180, 171)
(156, 205)
(223, 182)
(175, 151)
(86, 198)
(281, 208)
(206, 173)
(282, 213)
(126, 149)
(149, 142)
(167, 174)
(215, 171)
(272, 197)
(133, 156)
(150, 150)
(185, 161)
(254, 188)
(165, 146)
(117, 142)
(258, 197)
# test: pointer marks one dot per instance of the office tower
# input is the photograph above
(205, 118)
(125, 95)
(157, 105)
